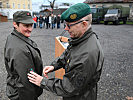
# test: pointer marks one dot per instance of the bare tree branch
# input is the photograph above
(51, 3)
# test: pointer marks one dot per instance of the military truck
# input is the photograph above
(116, 13)
(98, 14)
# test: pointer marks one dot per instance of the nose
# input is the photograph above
(66, 28)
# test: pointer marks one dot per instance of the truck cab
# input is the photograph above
(98, 14)
(112, 16)
(116, 13)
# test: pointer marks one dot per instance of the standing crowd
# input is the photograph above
(48, 21)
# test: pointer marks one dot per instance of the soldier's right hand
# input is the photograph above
(47, 69)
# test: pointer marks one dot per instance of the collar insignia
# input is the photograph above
(68, 61)
(28, 14)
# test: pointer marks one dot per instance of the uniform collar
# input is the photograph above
(24, 38)
(85, 36)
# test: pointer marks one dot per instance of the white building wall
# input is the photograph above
(10, 12)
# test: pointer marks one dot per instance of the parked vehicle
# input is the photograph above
(116, 13)
(98, 14)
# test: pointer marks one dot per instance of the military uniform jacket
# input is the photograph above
(21, 55)
(82, 61)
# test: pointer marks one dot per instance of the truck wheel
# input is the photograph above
(98, 21)
(105, 22)
(116, 22)
(124, 21)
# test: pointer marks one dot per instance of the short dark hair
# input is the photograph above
(17, 24)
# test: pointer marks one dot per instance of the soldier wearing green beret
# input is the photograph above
(21, 56)
(82, 60)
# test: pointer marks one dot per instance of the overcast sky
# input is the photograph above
(70, 1)
(37, 3)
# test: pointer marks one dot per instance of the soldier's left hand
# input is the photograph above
(34, 78)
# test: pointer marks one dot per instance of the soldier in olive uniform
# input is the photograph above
(82, 60)
(21, 56)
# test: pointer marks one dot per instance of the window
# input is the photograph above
(6, 5)
(28, 6)
(13, 5)
(18, 6)
(0, 4)
(24, 6)
(93, 10)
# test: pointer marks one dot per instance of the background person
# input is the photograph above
(22, 55)
(35, 19)
(44, 20)
(47, 22)
(82, 60)
(58, 21)
(40, 21)
(52, 20)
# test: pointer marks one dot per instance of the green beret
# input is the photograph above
(76, 12)
(23, 17)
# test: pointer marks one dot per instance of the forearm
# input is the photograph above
(56, 86)
(56, 64)
(59, 62)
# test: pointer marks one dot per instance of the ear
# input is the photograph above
(84, 24)
(15, 24)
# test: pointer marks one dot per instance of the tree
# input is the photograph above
(52, 4)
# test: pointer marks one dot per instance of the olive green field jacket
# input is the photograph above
(83, 61)
(21, 55)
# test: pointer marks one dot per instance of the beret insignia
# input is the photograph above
(73, 16)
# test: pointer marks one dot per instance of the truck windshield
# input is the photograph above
(93, 10)
(112, 11)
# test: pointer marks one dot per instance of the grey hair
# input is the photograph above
(89, 18)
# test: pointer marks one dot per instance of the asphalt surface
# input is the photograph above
(117, 41)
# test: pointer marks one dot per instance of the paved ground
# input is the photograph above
(117, 79)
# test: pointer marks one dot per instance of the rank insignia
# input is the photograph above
(73, 16)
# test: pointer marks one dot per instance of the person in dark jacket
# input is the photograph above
(47, 22)
(22, 55)
(82, 60)
(58, 21)
(54, 20)
(41, 21)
